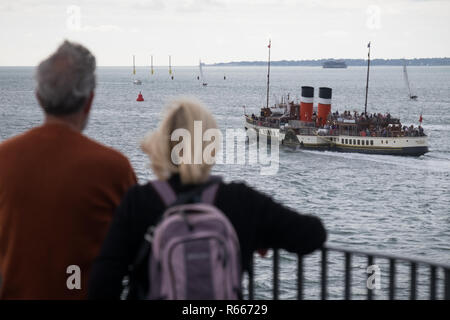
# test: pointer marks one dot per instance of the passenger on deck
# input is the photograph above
(421, 133)
(259, 221)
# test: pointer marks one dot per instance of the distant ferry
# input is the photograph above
(333, 64)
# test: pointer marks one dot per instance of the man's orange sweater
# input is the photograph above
(58, 193)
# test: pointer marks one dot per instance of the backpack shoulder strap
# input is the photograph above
(169, 197)
(165, 191)
(209, 194)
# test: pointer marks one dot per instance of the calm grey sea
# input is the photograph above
(370, 202)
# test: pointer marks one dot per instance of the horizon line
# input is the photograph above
(256, 61)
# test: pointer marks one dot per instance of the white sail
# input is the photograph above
(202, 77)
(405, 76)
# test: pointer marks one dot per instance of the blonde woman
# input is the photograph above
(259, 221)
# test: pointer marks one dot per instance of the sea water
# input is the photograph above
(398, 205)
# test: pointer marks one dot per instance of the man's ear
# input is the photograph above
(88, 105)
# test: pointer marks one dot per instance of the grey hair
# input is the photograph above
(66, 79)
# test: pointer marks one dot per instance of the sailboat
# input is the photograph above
(405, 76)
(135, 81)
(151, 66)
(170, 67)
(202, 77)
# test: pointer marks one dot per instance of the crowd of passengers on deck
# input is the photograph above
(275, 123)
(372, 125)
(369, 124)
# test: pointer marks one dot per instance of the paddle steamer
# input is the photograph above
(301, 125)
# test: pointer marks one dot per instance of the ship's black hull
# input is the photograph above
(407, 151)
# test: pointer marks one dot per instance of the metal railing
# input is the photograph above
(347, 255)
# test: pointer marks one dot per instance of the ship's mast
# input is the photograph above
(367, 82)
(268, 75)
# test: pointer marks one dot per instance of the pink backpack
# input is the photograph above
(195, 251)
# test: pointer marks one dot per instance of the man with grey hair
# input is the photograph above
(58, 188)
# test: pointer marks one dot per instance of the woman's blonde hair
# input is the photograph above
(181, 114)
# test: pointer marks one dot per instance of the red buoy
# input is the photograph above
(140, 97)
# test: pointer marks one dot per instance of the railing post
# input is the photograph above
(432, 283)
(392, 279)
(348, 275)
(369, 290)
(300, 278)
(413, 279)
(447, 284)
(324, 274)
(251, 280)
(275, 274)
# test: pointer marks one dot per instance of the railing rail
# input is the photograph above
(348, 254)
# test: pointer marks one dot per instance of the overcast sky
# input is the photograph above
(223, 30)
